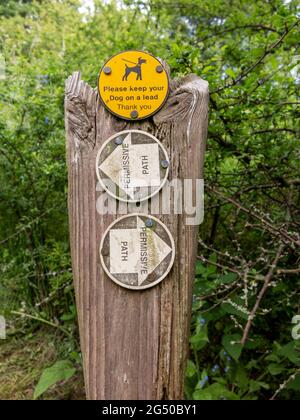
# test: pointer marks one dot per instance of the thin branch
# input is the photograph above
(274, 130)
(261, 294)
(285, 383)
(223, 267)
(288, 270)
(256, 27)
(271, 228)
(27, 225)
(259, 61)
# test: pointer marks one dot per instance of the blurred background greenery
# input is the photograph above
(248, 256)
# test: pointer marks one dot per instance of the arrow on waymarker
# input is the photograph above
(144, 251)
(128, 177)
(112, 167)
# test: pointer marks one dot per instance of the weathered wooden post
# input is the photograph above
(134, 339)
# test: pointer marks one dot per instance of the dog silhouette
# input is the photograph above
(135, 69)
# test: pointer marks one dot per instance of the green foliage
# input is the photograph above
(217, 391)
(62, 370)
(248, 51)
(232, 371)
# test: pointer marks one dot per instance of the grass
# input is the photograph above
(24, 356)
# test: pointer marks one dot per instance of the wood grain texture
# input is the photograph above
(134, 344)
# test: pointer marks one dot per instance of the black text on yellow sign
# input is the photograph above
(133, 85)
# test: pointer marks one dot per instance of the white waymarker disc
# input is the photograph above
(137, 251)
(132, 166)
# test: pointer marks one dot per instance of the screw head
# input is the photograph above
(118, 141)
(159, 69)
(149, 223)
(107, 70)
(134, 114)
(164, 164)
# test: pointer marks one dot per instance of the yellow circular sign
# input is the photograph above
(133, 85)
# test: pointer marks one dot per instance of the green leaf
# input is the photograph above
(257, 385)
(207, 69)
(290, 352)
(227, 278)
(275, 369)
(232, 345)
(67, 317)
(272, 358)
(230, 73)
(295, 383)
(230, 164)
(235, 308)
(200, 269)
(60, 371)
(190, 369)
(241, 377)
(214, 392)
(200, 339)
